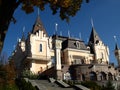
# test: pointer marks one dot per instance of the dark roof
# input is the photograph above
(38, 26)
(116, 47)
(23, 37)
(74, 44)
(94, 37)
(62, 38)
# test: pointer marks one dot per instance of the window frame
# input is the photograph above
(40, 47)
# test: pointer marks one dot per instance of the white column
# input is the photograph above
(58, 59)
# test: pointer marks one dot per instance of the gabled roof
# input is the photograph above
(94, 37)
(38, 26)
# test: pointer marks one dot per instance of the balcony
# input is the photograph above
(40, 57)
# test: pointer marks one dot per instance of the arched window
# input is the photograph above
(40, 47)
(93, 76)
(110, 76)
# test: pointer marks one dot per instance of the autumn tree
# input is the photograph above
(2, 68)
(65, 8)
(7, 72)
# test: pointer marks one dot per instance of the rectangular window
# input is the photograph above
(40, 47)
(53, 59)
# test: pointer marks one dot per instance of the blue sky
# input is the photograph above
(105, 15)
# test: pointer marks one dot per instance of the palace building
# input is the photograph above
(63, 57)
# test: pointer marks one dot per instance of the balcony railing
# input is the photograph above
(40, 57)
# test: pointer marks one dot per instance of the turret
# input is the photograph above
(39, 29)
(97, 47)
(117, 54)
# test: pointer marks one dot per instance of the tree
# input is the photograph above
(7, 74)
(66, 8)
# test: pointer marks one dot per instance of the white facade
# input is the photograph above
(39, 52)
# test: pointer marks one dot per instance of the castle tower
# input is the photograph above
(117, 54)
(38, 48)
(97, 47)
(39, 29)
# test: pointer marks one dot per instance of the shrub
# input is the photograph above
(29, 74)
(23, 85)
(9, 87)
(92, 85)
(109, 86)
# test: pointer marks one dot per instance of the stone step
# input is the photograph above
(52, 80)
(50, 86)
(38, 85)
(81, 87)
(63, 84)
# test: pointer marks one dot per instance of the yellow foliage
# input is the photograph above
(7, 74)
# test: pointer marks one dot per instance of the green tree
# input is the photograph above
(65, 8)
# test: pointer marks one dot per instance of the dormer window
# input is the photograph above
(77, 44)
(97, 41)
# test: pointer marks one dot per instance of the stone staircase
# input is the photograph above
(46, 85)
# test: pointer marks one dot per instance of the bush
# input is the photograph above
(109, 86)
(92, 85)
(72, 82)
(9, 87)
(23, 85)
(29, 74)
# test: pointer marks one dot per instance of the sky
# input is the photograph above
(104, 13)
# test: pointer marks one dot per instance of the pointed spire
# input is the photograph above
(94, 38)
(23, 35)
(38, 25)
(116, 45)
(38, 12)
(92, 22)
